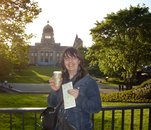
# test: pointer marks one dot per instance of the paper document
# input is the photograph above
(69, 100)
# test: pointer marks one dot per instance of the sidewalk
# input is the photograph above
(45, 88)
(28, 88)
(108, 89)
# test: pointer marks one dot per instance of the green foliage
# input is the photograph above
(122, 42)
(14, 17)
(141, 94)
(20, 55)
(83, 51)
(93, 70)
(5, 67)
(5, 62)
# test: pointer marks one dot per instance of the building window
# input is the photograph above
(61, 54)
(58, 54)
(41, 58)
(50, 53)
(46, 59)
(47, 36)
(46, 53)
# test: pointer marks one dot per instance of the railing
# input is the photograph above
(22, 111)
(99, 122)
(126, 114)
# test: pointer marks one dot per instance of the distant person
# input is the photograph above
(5, 84)
(85, 91)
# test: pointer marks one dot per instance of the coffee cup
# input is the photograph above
(57, 75)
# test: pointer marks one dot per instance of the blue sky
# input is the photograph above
(71, 17)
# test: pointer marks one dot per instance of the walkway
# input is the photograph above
(45, 88)
(26, 88)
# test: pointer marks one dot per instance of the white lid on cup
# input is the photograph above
(57, 72)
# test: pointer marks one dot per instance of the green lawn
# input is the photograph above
(33, 74)
(118, 121)
(40, 100)
(23, 100)
(118, 115)
(19, 101)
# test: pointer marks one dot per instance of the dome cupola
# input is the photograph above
(47, 28)
(47, 35)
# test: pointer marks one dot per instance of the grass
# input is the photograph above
(40, 100)
(22, 100)
(33, 74)
(117, 119)
(18, 101)
(118, 115)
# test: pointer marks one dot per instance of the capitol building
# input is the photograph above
(48, 52)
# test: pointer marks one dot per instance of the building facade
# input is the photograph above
(47, 52)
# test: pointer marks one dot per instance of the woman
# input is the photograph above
(85, 91)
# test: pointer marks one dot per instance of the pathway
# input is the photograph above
(45, 88)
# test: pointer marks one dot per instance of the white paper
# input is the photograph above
(69, 100)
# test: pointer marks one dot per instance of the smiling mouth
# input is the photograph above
(70, 66)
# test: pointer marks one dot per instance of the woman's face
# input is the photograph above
(71, 63)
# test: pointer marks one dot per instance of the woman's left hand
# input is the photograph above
(74, 92)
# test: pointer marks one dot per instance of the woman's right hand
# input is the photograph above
(52, 84)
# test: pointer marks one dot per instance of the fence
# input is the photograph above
(127, 114)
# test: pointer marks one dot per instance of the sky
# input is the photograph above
(71, 17)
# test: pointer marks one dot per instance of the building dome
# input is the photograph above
(48, 28)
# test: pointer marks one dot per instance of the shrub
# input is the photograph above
(140, 94)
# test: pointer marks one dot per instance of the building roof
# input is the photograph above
(47, 28)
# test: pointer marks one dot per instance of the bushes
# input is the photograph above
(139, 94)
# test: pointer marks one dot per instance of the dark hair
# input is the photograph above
(73, 52)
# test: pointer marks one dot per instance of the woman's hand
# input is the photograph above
(74, 92)
(52, 84)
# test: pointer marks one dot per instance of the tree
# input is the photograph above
(19, 55)
(122, 42)
(14, 16)
(5, 63)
